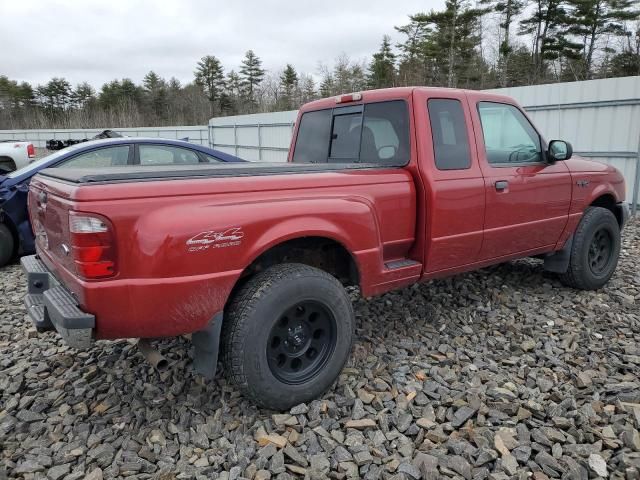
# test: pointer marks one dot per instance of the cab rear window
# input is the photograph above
(373, 133)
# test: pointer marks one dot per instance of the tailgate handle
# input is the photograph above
(42, 197)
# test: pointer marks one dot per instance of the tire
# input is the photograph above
(595, 250)
(7, 166)
(287, 333)
(7, 245)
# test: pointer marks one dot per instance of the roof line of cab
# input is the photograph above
(383, 94)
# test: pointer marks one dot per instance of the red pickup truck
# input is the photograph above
(382, 189)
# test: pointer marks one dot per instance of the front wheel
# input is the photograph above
(287, 334)
(595, 250)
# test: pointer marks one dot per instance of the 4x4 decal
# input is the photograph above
(230, 237)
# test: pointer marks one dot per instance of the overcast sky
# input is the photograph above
(99, 40)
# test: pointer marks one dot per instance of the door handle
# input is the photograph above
(501, 185)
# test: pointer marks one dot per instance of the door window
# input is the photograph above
(449, 133)
(508, 136)
(101, 157)
(166, 155)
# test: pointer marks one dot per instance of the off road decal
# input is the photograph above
(211, 239)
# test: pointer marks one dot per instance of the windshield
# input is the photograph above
(33, 167)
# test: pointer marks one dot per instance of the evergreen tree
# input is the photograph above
(288, 87)
(508, 10)
(209, 75)
(251, 74)
(382, 70)
(56, 94)
(83, 95)
(627, 62)
(327, 86)
(156, 90)
(593, 19)
(442, 48)
(307, 89)
(233, 93)
(548, 23)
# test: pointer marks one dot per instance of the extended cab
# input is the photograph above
(382, 189)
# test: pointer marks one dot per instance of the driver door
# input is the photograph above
(527, 198)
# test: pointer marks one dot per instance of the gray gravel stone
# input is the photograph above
(499, 374)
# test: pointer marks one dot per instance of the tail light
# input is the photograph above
(92, 246)
(31, 151)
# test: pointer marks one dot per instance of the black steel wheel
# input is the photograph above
(594, 251)
(287, 333)
(600, 251)
(301, 342)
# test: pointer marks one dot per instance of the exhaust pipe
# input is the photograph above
(153, 356)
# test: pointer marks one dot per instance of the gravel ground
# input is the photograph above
(496, 374)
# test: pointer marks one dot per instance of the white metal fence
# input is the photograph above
(195, 134)
(260, 137)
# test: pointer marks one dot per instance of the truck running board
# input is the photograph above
(400, 264)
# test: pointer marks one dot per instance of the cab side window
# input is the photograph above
(509, 138)
(449, 133)
(100, 157)
(375, 133)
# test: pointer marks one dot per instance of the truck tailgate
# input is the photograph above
(49, 206)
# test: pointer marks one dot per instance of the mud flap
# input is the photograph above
(206, 344)
(559, 261)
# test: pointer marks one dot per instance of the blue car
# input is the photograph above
(16, 236)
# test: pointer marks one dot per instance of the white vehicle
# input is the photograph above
(15, 155)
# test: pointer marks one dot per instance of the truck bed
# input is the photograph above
(174, 172)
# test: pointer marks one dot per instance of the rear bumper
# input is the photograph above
(51, 305)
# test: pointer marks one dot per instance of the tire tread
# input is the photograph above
(575, 276)
(237, 315)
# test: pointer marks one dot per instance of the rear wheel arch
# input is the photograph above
(319, 251)
(7, 164)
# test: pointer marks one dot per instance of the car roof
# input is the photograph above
(79, 147)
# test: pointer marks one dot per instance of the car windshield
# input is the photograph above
(34, 166)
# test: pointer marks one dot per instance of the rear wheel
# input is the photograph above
(7, 245)
(595, 250)
(287, 334)
(6, 165)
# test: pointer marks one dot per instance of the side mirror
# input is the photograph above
(559, 150)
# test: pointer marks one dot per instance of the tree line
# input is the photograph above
(488, 44)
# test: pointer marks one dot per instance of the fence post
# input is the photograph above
(636, 182)
(235, 137)
(260, 142)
